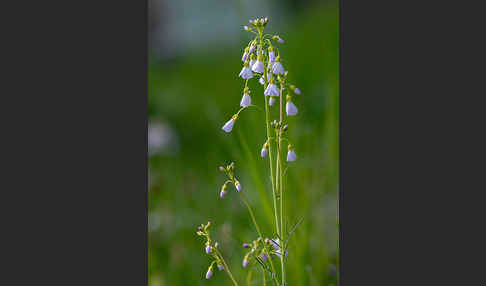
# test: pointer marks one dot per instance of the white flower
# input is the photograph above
(271, 101)
(277, 68)
(291, 109)
(246, 71)
(272, 90)
(291, 156)
(261, 80)
(229, 125)
(258, 66)
(245, 100)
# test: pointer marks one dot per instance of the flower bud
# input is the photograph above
(209, 274)
(286, 127)
(271, 101)
(291, 156)
(216, 244)
(199, 233)
(246, 245)
(220, 267)
(238, 186)
(278, 39)
(208, 249)
(223, 193)
(221, 168)
(246, 28)
(264, 257)
(245, 262)
(264, 150)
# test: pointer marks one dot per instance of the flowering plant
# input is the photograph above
(262, 59)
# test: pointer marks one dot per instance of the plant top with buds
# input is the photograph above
(263, 62)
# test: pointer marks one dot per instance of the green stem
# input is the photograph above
(279, 159)
(267, 120)
(226, 267)
(243, 198)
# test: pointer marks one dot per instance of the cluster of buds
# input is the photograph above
(257, 23)
(210, 249)
(230, 172)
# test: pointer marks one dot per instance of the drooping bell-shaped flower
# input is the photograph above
(277, 67)
(271, 54)
(246, 99)
(290, 107)
(272, 89)
(246, 72)
(228, 126)
(271, 100)
(245, 55)
(258, 65)
(291, 156)
(252, 60)
(209, 274)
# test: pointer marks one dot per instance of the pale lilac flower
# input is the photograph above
(209, 274)
(246, 245)
(271, 101)
(272, 90)
(229, 125)
(277, 67)
(220, 267)
(246, 28)
(297, 91)
(271, 55)
(258, 66)
(245, 262)
(245, 100)
(208, 249)
(291, 156)
(246, 71)
(276, 247)
(290, 108)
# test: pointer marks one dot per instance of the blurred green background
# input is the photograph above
(194, 61)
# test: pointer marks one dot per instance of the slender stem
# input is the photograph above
(243, 198)
(282, 231)
(267, 120)
(226, 267)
